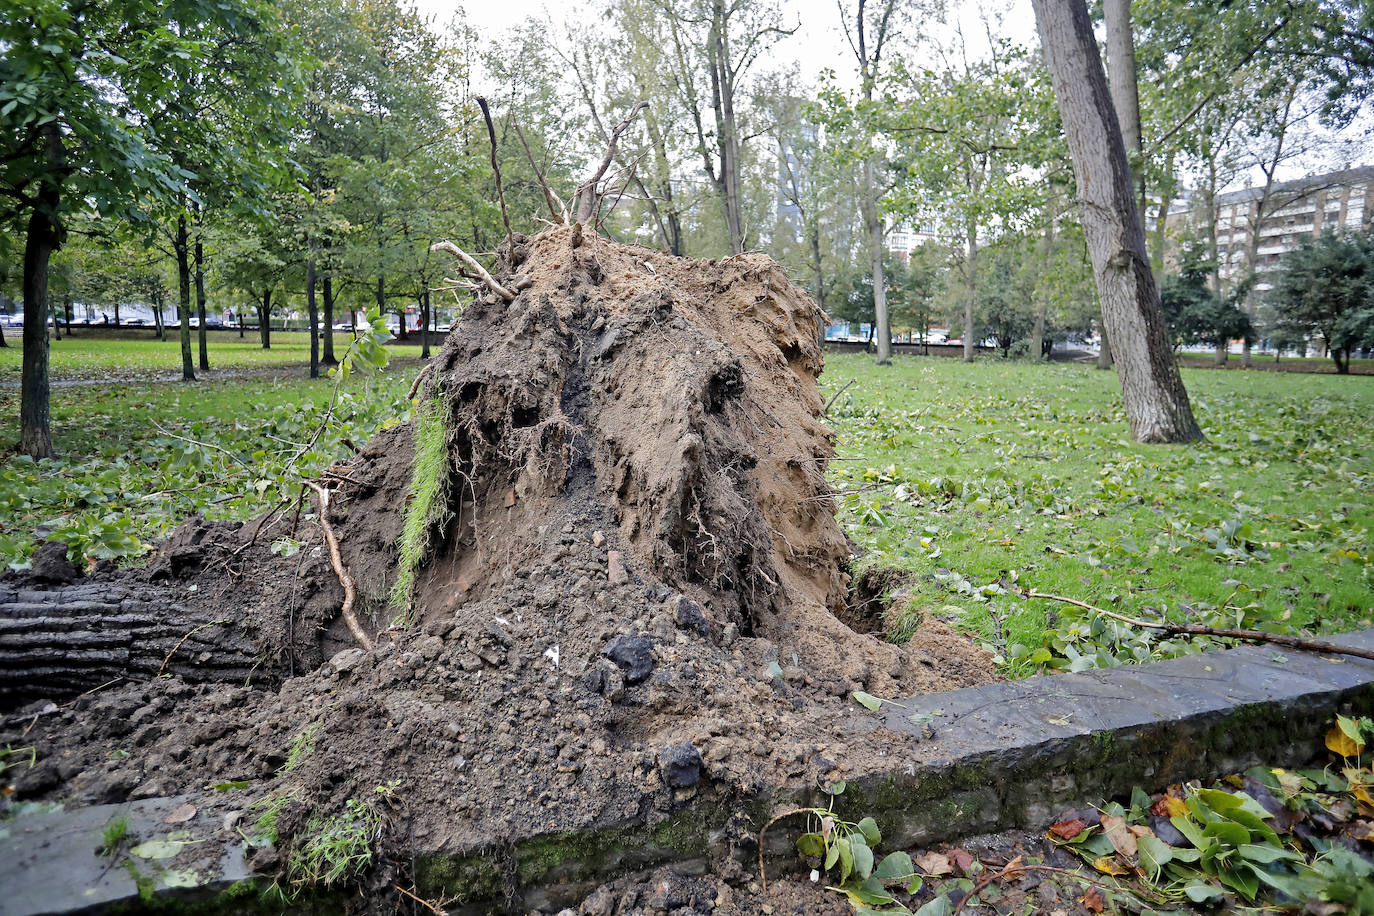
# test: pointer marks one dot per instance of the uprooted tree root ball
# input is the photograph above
(614, 522)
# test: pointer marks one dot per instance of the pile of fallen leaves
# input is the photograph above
(1301, 841)
(1268, 839)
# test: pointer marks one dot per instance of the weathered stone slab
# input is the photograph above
(990, 758)
(50, 861)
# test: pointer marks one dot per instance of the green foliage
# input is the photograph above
(302, 746)
(844, 852)
(115, 833)
(1240, 837)
(269, 810)
(1325, 289)
(335, 849)
(428, 498)
(1194, 312)
(990, 479)
(120, 483)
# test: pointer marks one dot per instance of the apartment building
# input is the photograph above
(1284, 215)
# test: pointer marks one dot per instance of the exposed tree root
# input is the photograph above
(476, 267)
(335, 560)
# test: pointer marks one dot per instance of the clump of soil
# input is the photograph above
(626, 600)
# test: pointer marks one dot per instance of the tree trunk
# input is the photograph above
(265, 319)
(1152, 389)
(181, 245)
(1122, 80)
(240, 314)
(158, 319)
(1104, 352)
(1223, 349)
(873, 226)
(329, 359)
(200, 302)
(313, 312)
(1042, 299)
(35, 433)
(970, 288)
(59, 642)
(424, 324)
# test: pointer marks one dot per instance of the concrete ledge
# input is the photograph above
(990, 758)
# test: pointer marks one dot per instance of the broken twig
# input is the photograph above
(496, 168)
(336, 560)
(419, 380)
(475, 266)
(835, 397)
(587, 199)
(556, 207)
(1197, 629)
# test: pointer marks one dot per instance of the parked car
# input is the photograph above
(12, 321)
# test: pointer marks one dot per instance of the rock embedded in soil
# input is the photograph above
(633, 655)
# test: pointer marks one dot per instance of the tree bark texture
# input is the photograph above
(202, 330)
(180, 245)
(1122, 81)
(328, 328)
(1152, 390)
(35, 434)
(873, 225)
(61, 641)
(425, 317)
(44, 236)
(970, 289)
(313, 311)
(265, 319)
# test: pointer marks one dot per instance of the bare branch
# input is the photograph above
(587, 197)
(475, 266)
(500, 192)
(556, 207)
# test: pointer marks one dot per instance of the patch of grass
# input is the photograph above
(334, 849)
(990, 478)
(428, 497)
(302, 747)
(269, 811)
(93, 354)
(119, 483)
(115, 833)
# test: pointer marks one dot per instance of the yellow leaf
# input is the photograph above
(1338, 742)
(1108, 866)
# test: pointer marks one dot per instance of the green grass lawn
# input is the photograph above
(987, 479)
(137, 354)
(981, 480)
(120, 482)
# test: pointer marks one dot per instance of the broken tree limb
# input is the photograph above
(556, 207)
(475, 266)
(496, 169)
(419, 380)
(588, 198)
(56, 642)
(336, 560)
(1197, 629)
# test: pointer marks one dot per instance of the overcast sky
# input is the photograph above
(818, 44)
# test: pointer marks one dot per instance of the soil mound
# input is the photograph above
(601, 568)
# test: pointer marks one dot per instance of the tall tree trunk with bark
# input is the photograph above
(201, 331)
(873, 227)
(424, 323)
(158, 319)
(328, 329)
(1122, 81)
(35, 433)
(313, 311)
(1042, 297)
(181, 245)
(1152, 390)
(970, 287)
(265, 319)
